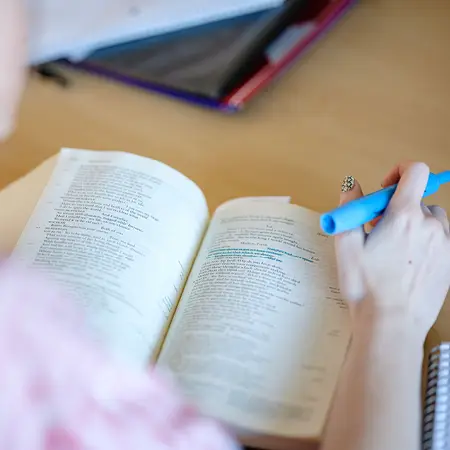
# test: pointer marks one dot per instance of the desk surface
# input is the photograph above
(374, 91)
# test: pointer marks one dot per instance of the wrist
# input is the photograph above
(387, 327)
(389, 346)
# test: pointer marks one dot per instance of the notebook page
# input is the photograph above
(261, 330)
(77, 27)
(119, 232)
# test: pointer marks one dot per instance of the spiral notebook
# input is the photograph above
(436, 418)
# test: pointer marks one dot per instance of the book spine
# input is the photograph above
(436, 417)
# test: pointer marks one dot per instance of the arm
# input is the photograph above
(377, 404)
(395, 280)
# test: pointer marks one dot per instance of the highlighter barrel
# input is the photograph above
(360, 211)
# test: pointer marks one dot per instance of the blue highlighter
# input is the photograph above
(358, 212)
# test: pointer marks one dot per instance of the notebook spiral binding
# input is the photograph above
(436, 417)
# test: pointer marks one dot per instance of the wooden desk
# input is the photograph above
(374, 91)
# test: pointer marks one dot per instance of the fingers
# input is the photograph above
(411, 186)
(440, 214)
(426, 210)
(349, 248)
(351, 190)
(394, 175)
(374, 222)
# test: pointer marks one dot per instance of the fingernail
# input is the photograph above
(348, 183)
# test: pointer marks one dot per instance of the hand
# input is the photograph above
(12, 62)
(401, 269)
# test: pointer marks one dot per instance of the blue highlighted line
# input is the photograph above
(282, 252)
(243, 252)
(273, 254)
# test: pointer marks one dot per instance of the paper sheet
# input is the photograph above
(74, 28)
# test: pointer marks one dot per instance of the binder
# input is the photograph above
(222, 65)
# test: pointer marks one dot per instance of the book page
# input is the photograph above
(261, 330)
(119, 232)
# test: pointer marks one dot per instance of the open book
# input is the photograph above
(243, 308)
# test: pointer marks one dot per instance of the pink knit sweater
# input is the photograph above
(59, 391)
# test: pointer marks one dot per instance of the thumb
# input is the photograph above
(349, 248)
